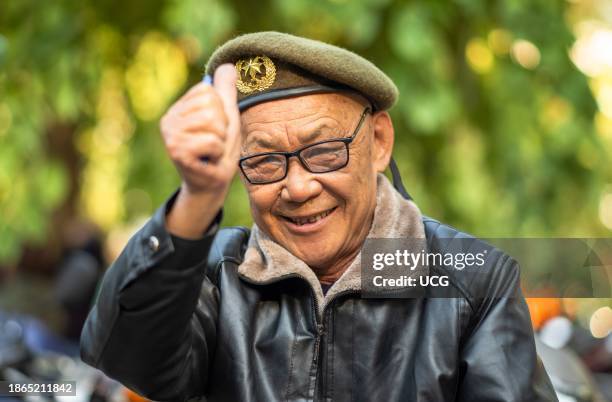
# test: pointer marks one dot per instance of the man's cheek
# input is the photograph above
(258, 210)
(261, 197)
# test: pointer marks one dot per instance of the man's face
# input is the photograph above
(319, 217)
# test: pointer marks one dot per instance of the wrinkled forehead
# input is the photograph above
(299, 120)
(284, 111)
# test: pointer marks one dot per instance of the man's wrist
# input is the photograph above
(209, 231)
(191, 216)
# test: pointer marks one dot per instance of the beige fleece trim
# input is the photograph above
(394, 218)
(266, 261)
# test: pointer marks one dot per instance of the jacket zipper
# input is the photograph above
(314, 372)
(314, 367)
(320, 333)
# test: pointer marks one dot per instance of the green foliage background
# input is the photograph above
(497, 149)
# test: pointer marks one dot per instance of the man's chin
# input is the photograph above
(314, 257)
(315, 250)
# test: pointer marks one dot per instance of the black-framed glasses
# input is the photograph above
(320, 157)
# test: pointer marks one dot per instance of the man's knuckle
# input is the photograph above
(170, 141)
(163, 123)
(174, 149)
(213, 142)
(213, 115)
(174, 154)
(207, 97)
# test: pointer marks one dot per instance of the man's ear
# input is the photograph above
(384, 135)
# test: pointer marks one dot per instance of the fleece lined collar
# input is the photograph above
(394, 217)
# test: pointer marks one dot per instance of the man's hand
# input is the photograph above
(201, 132)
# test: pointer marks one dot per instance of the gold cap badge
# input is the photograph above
(255, 74)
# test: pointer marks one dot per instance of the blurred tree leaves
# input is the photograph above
(203, 24)
(483, 142)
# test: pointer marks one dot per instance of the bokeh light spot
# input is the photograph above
(601, 322)
(479, 56)
(526, 54)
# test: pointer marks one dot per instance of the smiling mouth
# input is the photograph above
(300, 221)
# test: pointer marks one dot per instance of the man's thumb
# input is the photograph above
(225, 85)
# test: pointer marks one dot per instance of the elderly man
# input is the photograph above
(277, 313)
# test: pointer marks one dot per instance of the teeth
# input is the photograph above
(311, 219)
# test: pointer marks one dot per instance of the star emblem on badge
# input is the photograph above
(255, 74)
(252, 67)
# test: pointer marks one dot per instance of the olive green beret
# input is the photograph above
(275, 65)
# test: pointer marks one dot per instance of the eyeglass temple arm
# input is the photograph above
(361, 120)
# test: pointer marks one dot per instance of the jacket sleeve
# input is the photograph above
(498, 358)
(154, 321)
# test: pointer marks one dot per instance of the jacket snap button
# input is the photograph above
(153, 243)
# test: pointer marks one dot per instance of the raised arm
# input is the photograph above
(154, 322)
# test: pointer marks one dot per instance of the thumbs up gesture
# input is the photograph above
(201, 133)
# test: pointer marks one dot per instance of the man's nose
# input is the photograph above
(300, 184)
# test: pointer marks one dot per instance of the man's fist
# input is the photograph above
(201, 132)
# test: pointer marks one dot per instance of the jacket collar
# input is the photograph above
(266, 261)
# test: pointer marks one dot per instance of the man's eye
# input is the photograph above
(330, 150)
(264, 163)
(323, 150)
(270, 160)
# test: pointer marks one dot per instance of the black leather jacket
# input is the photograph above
(175, 320)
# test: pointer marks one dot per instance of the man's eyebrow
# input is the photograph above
(309, 137)
(262, 142)
(317, 132)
